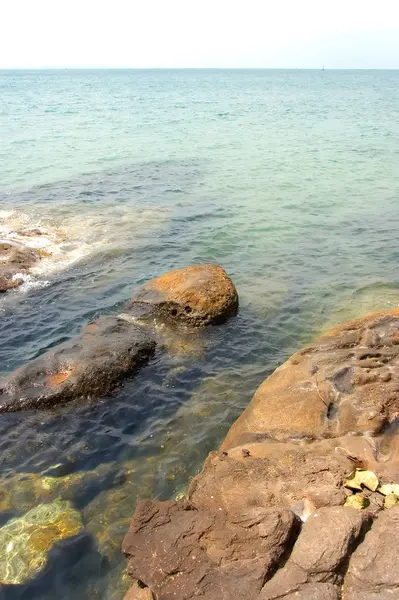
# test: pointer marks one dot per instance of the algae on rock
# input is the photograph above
(26, 541)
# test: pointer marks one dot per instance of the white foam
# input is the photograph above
(65, 238)
(29, 282)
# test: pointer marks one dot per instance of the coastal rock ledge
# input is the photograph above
(91, 364)
(267, 518)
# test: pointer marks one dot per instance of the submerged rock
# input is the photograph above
(23, 491)
(15, 261)
(25, 542)
(198, 296)
(87, 366)
(329, 411)
(90, 365)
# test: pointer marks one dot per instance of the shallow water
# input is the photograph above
(287, 179)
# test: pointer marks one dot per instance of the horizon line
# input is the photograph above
(98, 68)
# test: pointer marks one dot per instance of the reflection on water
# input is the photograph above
(291, 191)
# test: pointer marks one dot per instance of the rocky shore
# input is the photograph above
(301, 501)
(272, 514)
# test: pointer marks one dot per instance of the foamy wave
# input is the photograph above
(66, 237)
(29, 282)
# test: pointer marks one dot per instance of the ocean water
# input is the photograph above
(288, 179)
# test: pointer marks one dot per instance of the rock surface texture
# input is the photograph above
(15, 260)
(265, 517)
(90, 365)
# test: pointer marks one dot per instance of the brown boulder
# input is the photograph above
(87, 366)
(327, 537)
(374, 567)
(325, 543)
(346, 382)
(198, 296)
(180, 552)
(15, 258)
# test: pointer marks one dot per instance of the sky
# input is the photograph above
(199, 33)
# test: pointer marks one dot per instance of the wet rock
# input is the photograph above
(197, 296)
(88, 366)
(180, 552)
(373, 569)
(25, 542)
(346, 382)
(15, 259)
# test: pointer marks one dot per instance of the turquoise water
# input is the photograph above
(289, 179)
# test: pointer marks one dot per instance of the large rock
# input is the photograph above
(88, 366)
(15, 259)
(198, 296)
(26, 541)
(346, 382)
(374, 568)
(331, 408)
(180, 552)
(325, 543)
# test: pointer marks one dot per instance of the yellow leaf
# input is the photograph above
(391, 500)
(389, 488)
(352, 482)
(357, 501)
(368, 479)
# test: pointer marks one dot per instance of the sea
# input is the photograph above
(289, 179)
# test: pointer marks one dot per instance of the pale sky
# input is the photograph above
(199, 33)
